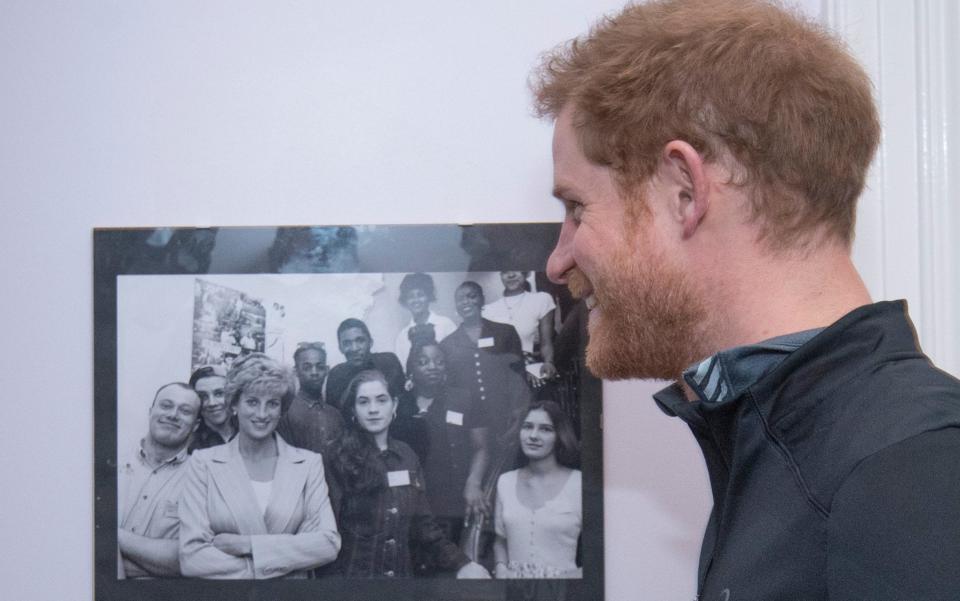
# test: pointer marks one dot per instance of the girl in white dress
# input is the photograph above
(531, 314)
(539, 510)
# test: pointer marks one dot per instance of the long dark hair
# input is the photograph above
(355, 453)
(566, 448)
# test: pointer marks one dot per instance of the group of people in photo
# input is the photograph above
(455, 455)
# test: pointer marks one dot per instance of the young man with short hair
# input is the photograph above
(149, 484)
(356, 344)
(710, 155)
(310, 422)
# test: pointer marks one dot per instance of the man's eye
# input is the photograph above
(575, 210)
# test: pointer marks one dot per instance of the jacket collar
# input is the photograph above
(800, 388)
(724, 376)
(177, 459)
(797, 386)
(232, 479)
(865, 335)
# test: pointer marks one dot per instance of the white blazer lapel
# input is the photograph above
(233, 482)
(288, 484)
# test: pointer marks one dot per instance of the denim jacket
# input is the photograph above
(381, 527)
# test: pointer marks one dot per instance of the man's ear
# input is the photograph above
(682, 172)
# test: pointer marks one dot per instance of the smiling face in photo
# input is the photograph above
(355, 344)
(513, 280)
(259, 409)
(174, 415)
(468, 301)
(212, 399)
(537, 435)
(417, 301)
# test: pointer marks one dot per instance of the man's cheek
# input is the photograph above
(578, 283)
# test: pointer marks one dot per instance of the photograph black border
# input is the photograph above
(380, 249)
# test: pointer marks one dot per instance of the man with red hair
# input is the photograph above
(710, 155)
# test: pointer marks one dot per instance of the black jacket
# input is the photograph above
(441, 438)
(837, 475)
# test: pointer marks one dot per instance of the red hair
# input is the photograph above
(749, 84)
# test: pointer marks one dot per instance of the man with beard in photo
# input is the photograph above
(310, 422)
(710, 155)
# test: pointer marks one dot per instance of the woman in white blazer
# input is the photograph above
(256, 507)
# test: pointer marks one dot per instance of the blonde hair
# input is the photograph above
(258, 370)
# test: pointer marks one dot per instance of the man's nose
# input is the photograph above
(561, 259)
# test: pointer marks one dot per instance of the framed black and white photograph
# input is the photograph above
(343, 412)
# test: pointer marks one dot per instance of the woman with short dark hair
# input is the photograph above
(531, 314)
(448, 433)
(417, 292)
(486, 358)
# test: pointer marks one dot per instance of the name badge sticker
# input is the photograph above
(398, 478)
(485, 342)
(455, 418)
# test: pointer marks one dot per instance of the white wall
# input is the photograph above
(907, 244)
(168, 112)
